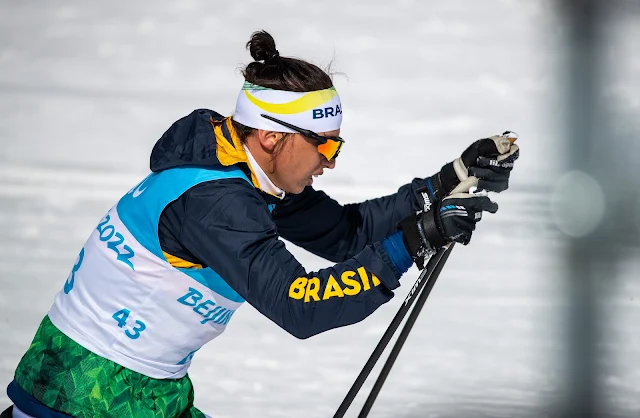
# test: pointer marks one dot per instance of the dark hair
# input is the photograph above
(277, 72)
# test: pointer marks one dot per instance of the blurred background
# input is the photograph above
(537, 317)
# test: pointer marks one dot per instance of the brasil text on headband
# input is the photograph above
(317, 111)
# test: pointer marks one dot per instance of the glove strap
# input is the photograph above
(430, 231)
(414, 240)
(411, 236)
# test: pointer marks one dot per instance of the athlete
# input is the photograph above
(166, 269)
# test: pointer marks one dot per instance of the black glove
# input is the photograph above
(493, 173)
(452, 219)
(490, 160)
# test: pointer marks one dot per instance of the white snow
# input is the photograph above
(86, 90)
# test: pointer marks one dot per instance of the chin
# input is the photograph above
(295, 189)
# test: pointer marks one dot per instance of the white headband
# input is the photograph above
(318, 111)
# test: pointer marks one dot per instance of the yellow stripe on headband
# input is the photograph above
(302, 104)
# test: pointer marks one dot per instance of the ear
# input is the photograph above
(268, 139)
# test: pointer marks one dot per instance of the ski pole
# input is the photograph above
(395, 323)
(404, 333)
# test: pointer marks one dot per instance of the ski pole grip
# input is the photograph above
(511, 136)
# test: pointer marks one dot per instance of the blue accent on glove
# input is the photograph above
(397, 252)
(431, 192)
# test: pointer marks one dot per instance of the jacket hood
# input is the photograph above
(203, 138)
(190, 141)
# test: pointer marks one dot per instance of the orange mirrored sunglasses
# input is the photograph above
(329, 146)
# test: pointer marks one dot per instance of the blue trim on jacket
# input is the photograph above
(397, 252)
(140, 211)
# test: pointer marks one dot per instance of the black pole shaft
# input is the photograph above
(395, 323)
(404, 334)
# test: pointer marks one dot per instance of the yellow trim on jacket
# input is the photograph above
(179, 263)
(230, 154)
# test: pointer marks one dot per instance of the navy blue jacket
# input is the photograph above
(227, 225)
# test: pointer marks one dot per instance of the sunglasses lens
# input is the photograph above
(330, 149)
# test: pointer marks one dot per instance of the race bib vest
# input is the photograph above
(125, 302)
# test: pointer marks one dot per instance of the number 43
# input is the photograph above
(121, 318)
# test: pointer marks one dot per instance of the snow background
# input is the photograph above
(87, 88)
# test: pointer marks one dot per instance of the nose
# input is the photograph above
(329, 164)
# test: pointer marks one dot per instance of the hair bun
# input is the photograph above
(273, 71)
(262, 46)
(273, 56)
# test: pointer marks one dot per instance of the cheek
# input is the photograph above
(313, 157)
(290, 168)
(304, 158)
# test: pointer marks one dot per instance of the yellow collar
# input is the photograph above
(231, 151)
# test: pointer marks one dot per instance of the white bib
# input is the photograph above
(125, 302)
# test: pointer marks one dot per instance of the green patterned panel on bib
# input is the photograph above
(67, 377)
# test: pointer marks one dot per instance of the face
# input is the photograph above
(299, 162)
